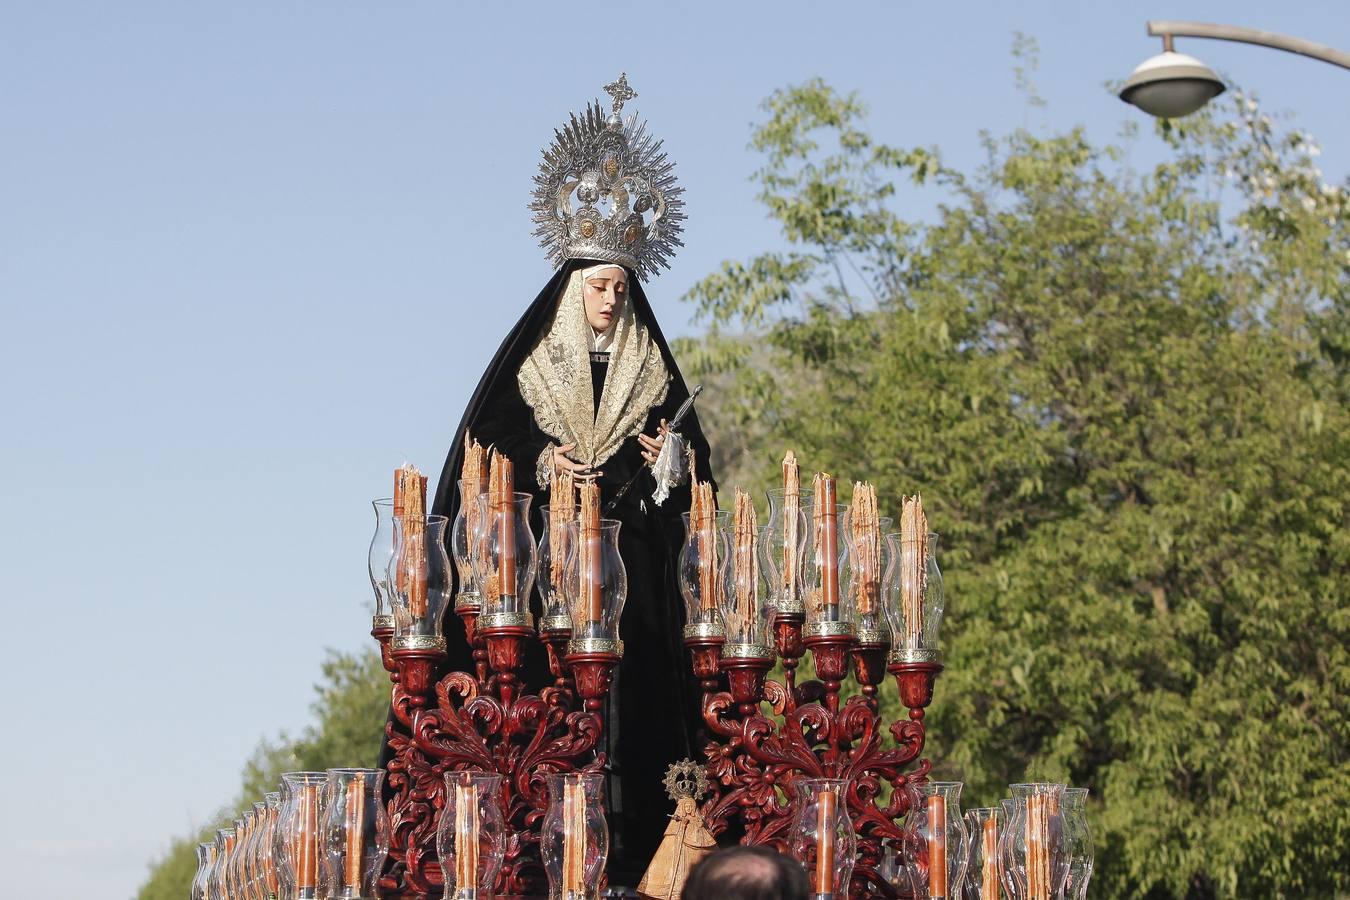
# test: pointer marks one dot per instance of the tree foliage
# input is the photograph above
(1122, 395)
(350, 710)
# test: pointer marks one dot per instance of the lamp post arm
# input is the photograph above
(1168, 29)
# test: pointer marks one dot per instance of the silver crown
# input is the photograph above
(606, 191)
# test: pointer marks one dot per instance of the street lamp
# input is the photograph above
(1171, 84)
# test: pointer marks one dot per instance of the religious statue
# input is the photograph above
(585, 383)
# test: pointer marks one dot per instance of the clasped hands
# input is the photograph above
(651, 449)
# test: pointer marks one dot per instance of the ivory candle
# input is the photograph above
(506, 525)
(356, 821)
(829, 548)
(230, 840)
(989, 863)
(574, 838)
(792, 506)
(418, 601)
(561, 510)
(1038, 863)
(592, 581)
(703, 512)
(474, 475)
(937, 846)
(866, 527)
(307, 867)
(466, 834)
(826, 807)
(400, 570)
(745, 570)
(410, 507)
(913, 553)
(243, 866)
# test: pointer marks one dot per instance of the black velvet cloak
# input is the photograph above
(653, 716)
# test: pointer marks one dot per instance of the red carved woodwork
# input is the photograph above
(746, 679)
(915, 681)
(561, 692)
(869, 667)
(482, 721)
(787, 640)
(753, 759)
(707, 654)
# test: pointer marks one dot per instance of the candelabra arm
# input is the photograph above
(769, 745)
(715, 707)
(779, 697)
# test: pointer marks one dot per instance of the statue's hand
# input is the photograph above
(651, 446)
(580, 472)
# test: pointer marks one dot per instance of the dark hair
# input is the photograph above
(747, 873)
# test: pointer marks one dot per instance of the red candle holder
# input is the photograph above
(506, 654)
(745, 675)
(593, 671)
(705, 646)
(830, 653)
(416, 669)
(915, 679)
(869, 665)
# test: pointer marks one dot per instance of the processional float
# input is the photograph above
(496, 792)
(819, 577)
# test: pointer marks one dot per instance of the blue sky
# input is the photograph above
(254, 255)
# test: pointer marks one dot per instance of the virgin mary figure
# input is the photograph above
(586, 382)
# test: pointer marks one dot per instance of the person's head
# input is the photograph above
(747, 873)
(605, 290)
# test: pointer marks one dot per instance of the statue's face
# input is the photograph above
(605, 293)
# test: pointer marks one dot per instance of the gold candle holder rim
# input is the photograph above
(419, 642)
(828, 629)
(555, 624)
(489, 621)
(705, 630)
(903, 655)
(744, 650)
(594, 645)
(874, 637)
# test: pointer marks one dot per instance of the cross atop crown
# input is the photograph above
(621, 93)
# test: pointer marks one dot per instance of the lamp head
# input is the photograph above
(1171, 85)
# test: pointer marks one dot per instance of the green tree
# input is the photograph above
(350, 710)
(1122, 396)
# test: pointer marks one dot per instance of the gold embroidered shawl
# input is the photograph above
(555, 379)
